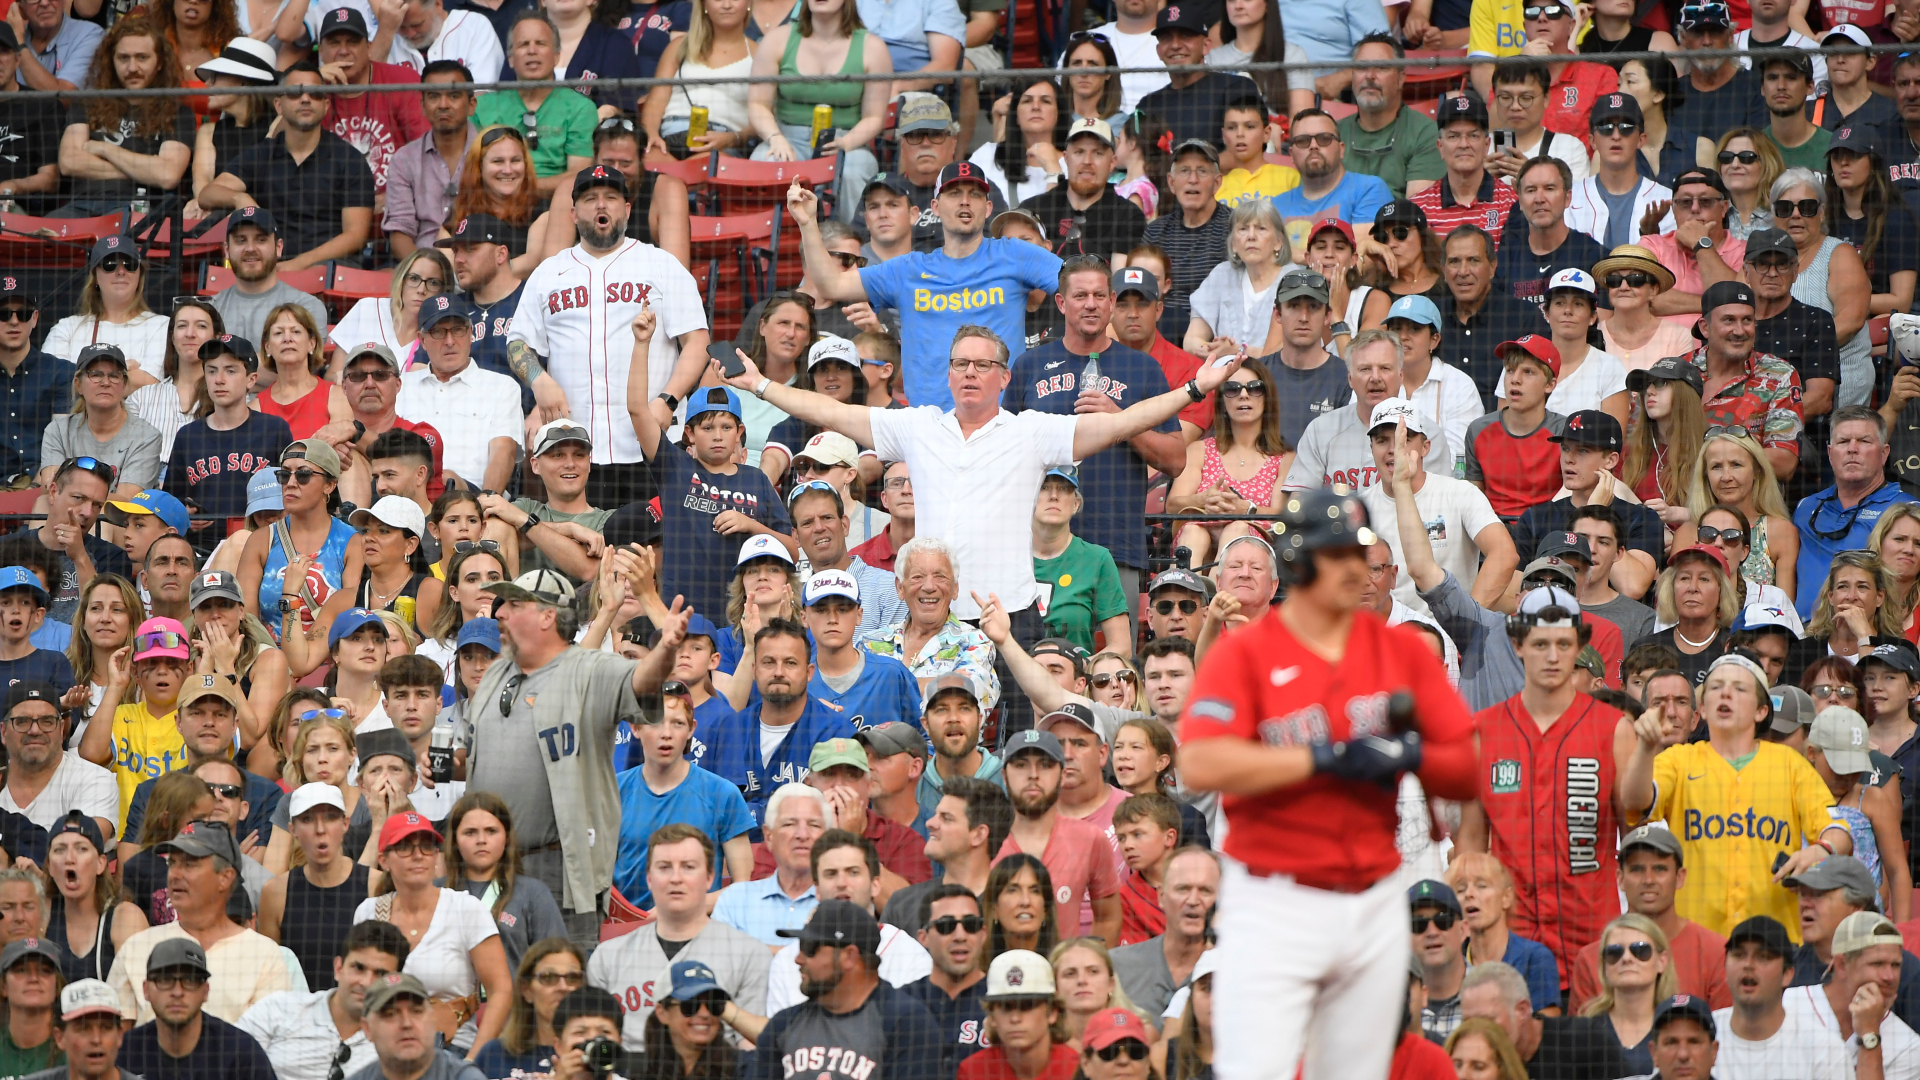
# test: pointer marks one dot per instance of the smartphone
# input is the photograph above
(1503, 140)
(1779, 860)
(731, 366)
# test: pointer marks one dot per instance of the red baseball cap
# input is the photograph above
(401, 826)
(1336, 225)
(1109, 1026)
(1536, 346)
(1709, 550)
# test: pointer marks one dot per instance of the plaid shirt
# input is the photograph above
(1766, 402)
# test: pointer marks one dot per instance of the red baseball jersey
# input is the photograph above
(1571, 97)
(1261, 684)
(1549, 802)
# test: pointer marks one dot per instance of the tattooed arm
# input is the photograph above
(550, 401)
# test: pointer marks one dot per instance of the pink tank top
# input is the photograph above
(1257, 489)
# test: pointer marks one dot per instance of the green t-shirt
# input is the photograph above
(1811, 154)
(16, 1062)
(564, 122)
(1086, 592)
(1408, 149)
(531, 557)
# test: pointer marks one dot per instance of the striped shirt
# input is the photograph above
(1489, 209)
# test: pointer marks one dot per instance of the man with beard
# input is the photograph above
(183, 1039)
(853, 1020)
(846, 866)
(303, 1033)
(953, 933)
(253, 254)
(950, 713)
(322, 186)
(1327, 189)
(1077, 854)
(420, 181)
(1785, 80)
(1759, 1036)
(74, 500)
(1720, 94)
(39, 387)
(1085, 215)
(429, 34)
(577, 311)
(43, 780)
(110, 155)
(1386, 138)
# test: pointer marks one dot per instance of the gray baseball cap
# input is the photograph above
(1655, 838)
(1835, 872)
(1034, 739)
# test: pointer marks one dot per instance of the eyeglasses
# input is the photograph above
(509, 692)
(379, 374)
(1322, 140)
(851, 260)
(100, 374)
(228, 791)
(1824, 692)
(555, 978)
(1615, 127)
(116, 263)
(1398, 232)
(158, 639)
(17, 314)
(167, 980)
(1641, 950)
(1699, 202)
(1773, 265)
(34, 723)
(461, 547)
(1133, 1048)
(1165, 607)
(415, 281)
(448, 330)
(947, 924)
(1786, 208)
(1744, 157)
(298, 477)
(714, 1001)
(1243, 389)
(97, 467)
(531, 124)
(963, 365)
(896, 483)
(1509, 100)
(319, 714)
(1107, 678)
(1709, 534)
(1441, 920)
(1633, 279)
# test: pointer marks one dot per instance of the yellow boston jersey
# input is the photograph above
(1496, 28)
(144, 746)
(1732, 825)
(1269, 180)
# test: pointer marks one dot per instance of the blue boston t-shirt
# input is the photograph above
(937, 295)
(1113, 482)
(1354, 200)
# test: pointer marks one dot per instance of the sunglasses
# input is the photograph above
(1107, 678)
(228, 791)
(1398, 232)
(509, 692)
(158, 639)
(97, 467)
(1633, 279)
(1615, 127)
(1133, 1048)
(674, 688)
(947, 924)
(850, 260)
(113, 263)
(1641, 950)
(615, 123)
(1323, 140)
(555, 978)
(321, 714)
(461, 547)
(532, 125)
(499, 133)
(1844, 693)
(1709, 534)
(17, 314)
(1243, 389)
(1441, 920)
(298, 477)
(1547, 11)
(379, 374)
(714, 1001)
(1806, 208)
(1718, 430)
(1187, 607)
(1744, 157)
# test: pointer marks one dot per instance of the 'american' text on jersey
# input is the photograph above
(1583, 815)
(618, 292)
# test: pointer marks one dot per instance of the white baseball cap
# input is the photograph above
(1393, 410)
(1572, 278)
(88, 996)
(307, 796)
(1018, 973)
(1548, 596)
(825, 583)
(396, 510)
(763, 546)
(833, 347)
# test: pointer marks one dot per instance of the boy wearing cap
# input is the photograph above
(662, 786)
(1466, 536)
(1510, 453)
(1022, 1015)
(1589, 446)
(87, 1030)
(866, 687)
(147, 517)
(23, 612)
(183, 1040)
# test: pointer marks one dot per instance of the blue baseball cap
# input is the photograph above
(350, 621)
(691, 978)
(19, 577)
(699, 625)
(1437, 893)
(1416, 309)
(1063, 472)
(263, 492)
(479, 632)
(708, 399)
(153, 501)
(440, 307)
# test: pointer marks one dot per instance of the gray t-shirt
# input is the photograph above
(531, 557)
(245, 314)
(1620, 217)
(446, 1065)
(1490, 670)
(507, 775)
(133, 451)
(1142, 969)
(1634, 618)
(530, 915)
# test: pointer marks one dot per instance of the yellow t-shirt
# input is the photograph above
(1269, 180)
(1733, 824)
(144, 746)
(1497, 28)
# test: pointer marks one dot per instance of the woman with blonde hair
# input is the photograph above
(296, 353)
(763, 588)
(1238, 468)
(1113, 680)
(1749, 163)
(110, 607)
(1733, 470)
(322, 752)
(1487, 894)
(1856, 609)
(1696, 604)
(390, 320)
(1236, 299)
(551, 969)
(1636, 975)
(503, 186)
(1482, 1050)
(715, 47)
(1663, 449)
(1085, 983)
(113, 311)
(1895, 538)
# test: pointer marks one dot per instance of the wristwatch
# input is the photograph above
(1194, 391)
(1869, 1040)
(1705, 243)
(359, 431)
(672, 402)
(527, 524)
(760, 388)
(1341, 327)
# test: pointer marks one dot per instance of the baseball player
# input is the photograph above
(576, 311)
(1289, 720)
(1749, 814)
(1545, 807)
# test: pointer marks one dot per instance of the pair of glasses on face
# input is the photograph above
(1698, 202)
(1104, 679)
(849, 260)
(1825, 692)
(168, 980)
(1398, 232)
(947, 924)
(963, 365)
(17, 314)
(1133, 1048)
(415, 281)
(117, 263)
(1615, 127)
(1322, 140)
(714, 1001)
(555, 978)
(1547, 11)
(34, 723)
(1187, 607)
(1774, 265)
(1806, 208)
(1632, 279)
(1441, 920)
(1709, 535)
(1243, 389)
(378, 374)
(104, 374)
(230, 792)
(1640, 950)
(298, 477)
(1744, 157)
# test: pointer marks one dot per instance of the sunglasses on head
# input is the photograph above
(714, 1001)
(1398, 232)
(947, 924)
(97, 467)
(1806, 208)
(1133, 1048)
(1641, 950)
(1709, 534)
(1615, 127)
(319, 714)
(1633, 279)
(1441, 920)
(496, 134)
(1744, 157)
(615, 123)
(1104, 679)
(1165, 607)
(461, 547)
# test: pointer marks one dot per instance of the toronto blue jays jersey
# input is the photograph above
(730, 747)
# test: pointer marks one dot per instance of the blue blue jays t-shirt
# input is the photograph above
(630, 754)
(698, 562)
(1113, 482)
(730, 748)
(884, 690)
(937, 295)
(703, 799)
(1354, 200)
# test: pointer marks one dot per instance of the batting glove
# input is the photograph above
(1375, 758)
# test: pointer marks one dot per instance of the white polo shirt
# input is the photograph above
(465, 36)
(469, 410)
(978, 493)
(296, 1030)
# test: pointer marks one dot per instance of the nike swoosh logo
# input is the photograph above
(1702, 776)
(1053, 365)
(1283, 676)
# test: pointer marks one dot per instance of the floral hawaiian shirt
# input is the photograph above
(1766, 402)
(956, 648)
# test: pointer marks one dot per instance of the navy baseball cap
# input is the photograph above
(1189, 18)
(112, 245)
(691, 978)
(30, 690)
(1684, 1007)
(605, 176)
(477, 229)
(13, 288)
(1591, 427)
(257, 216)
(1433, 892)
(343, 18)
(1462, 106)
(962, 172)
(440, 307)
(240, 347)
(1619, 105)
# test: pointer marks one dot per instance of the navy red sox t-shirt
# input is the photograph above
(698, 562)
(891, 1036)
(209, 470)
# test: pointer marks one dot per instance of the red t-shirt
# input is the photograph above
(1141, 917)
(1419, 1058)
(1079, 859)
(1181, 366)
(1261, 685)
(1572, 95)
(878, 552)
(379, 124)
(991, 1064)
(1516, 471)
(1548, 797)
(1699, 960)
(901, 850)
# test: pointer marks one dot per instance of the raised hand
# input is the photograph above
(802, 203)
(995, 622)
(644, 323)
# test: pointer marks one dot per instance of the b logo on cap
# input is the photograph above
(463, 226)
(1575, 424)
(1571, 538)
(206, 682)
(1615, 101)
(11, 284)
(1173, 13)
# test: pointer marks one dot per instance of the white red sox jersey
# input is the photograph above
(577, 313)
(465, 36)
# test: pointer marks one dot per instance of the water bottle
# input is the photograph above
(440, 753)
(140, 205)
(1090, 375)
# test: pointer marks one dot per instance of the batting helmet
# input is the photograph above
(1313, 521)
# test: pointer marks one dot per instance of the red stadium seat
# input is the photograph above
(346, 284)
(312, 280)
(745, 185)
(732, 249)
(1433, 82)
(52, 242)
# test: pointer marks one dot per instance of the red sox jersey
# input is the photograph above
(577, 313)
(1548, 798)
(1262, 685)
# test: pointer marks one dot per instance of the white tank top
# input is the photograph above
(726, 105)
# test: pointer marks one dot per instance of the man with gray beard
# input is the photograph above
(1386, 138)
(1721, 95)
